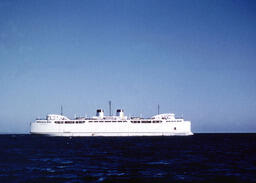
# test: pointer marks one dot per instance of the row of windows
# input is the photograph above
(79, 122)
(157, 121)
(69, 122)
(107, 121)
(147, 121)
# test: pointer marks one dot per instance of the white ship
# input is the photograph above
(119, 125)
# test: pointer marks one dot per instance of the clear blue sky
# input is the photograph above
(193, 57)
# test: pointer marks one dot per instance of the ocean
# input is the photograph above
(197, 158)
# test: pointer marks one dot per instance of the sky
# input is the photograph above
(195, 58)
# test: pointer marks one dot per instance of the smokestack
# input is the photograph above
(100, 113)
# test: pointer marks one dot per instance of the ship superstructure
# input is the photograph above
(119, 125)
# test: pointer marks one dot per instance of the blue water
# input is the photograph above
(198, 158)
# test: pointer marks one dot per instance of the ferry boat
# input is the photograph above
(119, 125)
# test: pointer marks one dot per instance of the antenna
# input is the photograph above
(61, 110)
(109, 103)
(158, 108)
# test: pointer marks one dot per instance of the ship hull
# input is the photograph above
(103, 134)
(114, 129)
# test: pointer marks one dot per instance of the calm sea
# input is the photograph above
(198, 158)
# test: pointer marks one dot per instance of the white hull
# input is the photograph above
(113, 129)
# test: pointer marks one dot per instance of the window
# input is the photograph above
(146, 121)
(69, 122)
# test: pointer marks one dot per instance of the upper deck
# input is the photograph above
(118, 118)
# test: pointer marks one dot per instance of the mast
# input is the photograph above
(158, 108)
(109, 103)
(61, 110)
